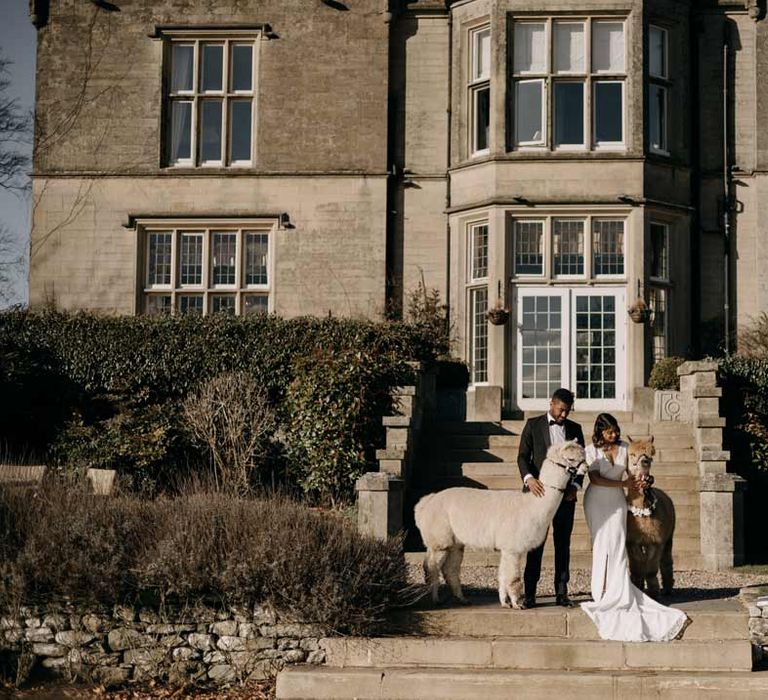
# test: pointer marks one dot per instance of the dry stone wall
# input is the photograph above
(194, 645)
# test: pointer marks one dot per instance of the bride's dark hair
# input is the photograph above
(603, 422)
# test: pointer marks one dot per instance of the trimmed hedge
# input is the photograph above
(106, 391)
(664, 374)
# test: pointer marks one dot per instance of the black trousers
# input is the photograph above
(562, 526)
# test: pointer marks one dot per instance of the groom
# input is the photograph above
(538, 435)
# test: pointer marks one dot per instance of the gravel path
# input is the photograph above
(689, 585)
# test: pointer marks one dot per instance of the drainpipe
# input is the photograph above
(449, 117)
(726, 193)
(694, 141)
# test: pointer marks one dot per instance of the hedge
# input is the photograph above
(106, 391)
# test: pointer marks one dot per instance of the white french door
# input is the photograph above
(574, 338)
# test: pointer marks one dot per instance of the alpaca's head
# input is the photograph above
(564, 461)
(641, 453)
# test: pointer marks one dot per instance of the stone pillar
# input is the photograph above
(722, 520)
(484, 403)
(379, 504)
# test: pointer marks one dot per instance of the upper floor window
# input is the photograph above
(194, 269)
(480, 89)
(569, 73)
(210, 100)
(659, 252)
(658, 88)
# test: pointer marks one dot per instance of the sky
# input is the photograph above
(18, 39)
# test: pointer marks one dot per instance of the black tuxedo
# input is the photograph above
(534, 443)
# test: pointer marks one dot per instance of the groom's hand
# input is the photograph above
(535, 487)
(570, 494)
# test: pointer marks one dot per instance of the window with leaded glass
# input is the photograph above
(478, 265)
(478, 334)
(607, 248)
(657, 302)
(528, 247)
(568, 247)
(551, 85)
(210, 98)
(659, 252)
(203, 270)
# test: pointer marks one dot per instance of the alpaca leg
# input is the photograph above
(636, 556)
(666, 565)
(511, 579)
(651, 571)
(452, 572)
(433, 563)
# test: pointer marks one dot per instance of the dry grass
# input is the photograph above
(60, 542)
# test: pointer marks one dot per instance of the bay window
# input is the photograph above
(569, 73)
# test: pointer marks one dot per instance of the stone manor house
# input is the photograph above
(562, 160)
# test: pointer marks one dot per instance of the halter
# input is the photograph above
(571, 470)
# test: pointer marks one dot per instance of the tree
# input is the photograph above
(15, 133)
(15, 140)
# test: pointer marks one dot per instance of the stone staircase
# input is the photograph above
(484, 455)
(485, 651)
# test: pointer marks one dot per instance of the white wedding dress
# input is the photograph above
(620, 611)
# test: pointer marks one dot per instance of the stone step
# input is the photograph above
(512, 481)
(710, 619)
(684, 500)
(509, 454)
(580, 559)
(515, 427)
(540, 653)
(325, 683)
(466, 442)
(473, 469)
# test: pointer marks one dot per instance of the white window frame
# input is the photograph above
(584, 221)
(607, 218)
(477, 83)
(609, 145)
(545, 247)
(197, 38)
(472, 285)
(567, 344)
(207, 290)
(589, 77)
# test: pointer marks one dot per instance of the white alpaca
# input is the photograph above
(459, 517)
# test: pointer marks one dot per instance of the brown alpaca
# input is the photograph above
(650, 525)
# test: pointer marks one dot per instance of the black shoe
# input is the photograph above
(564, 601)
(529, 601)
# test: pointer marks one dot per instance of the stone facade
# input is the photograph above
(365, 176)
(196, 645)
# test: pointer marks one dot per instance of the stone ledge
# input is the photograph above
(694, 367)
(378, 481)
(396, 421)
(722, 483)
(391, 453)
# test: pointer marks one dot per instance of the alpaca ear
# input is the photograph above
(651, 439)
(629, 439)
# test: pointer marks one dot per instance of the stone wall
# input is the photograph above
(758, 622)
(194, 645)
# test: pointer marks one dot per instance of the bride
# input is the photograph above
(620, 611)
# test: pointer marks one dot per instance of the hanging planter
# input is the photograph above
(497, 316)
(639, 311)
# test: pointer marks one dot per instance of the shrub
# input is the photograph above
(426, 312)
(117, 383)
(230, 414)
(664, 374)
(332, 415)
(753, 338)
(215, 548)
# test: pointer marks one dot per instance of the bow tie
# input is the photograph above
(553, 422)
